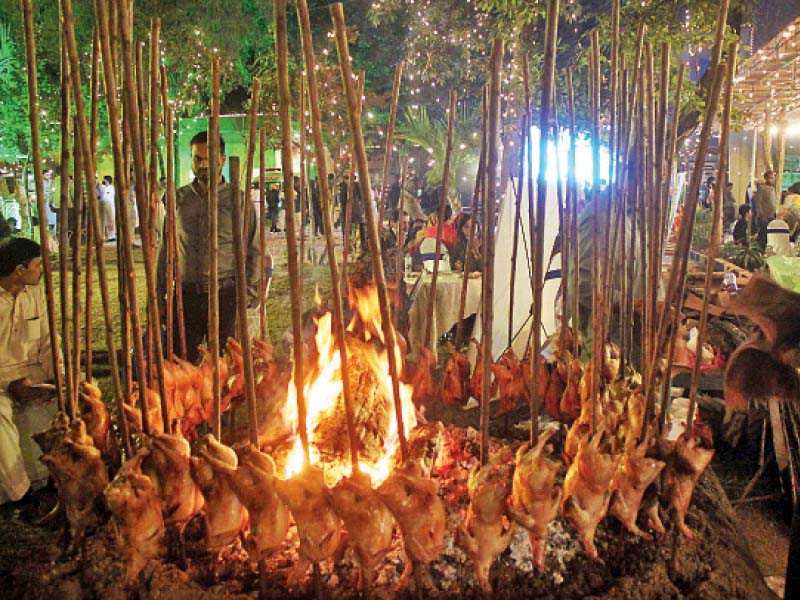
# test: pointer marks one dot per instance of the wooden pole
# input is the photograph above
(387, 155)
(262, 233)
(442, 206)
(214, 152)
(240, 252)
(284, 110)
(348, 222)
(72, 347)
(154, 74)
(477, 193)
(389, 337)
(63, 225)
(251, 150)
(716, 230)
(537, 255)
(89, 169)
(44, 236)
(327, 215)
(598, 284)
(304, 184)
(400, 269)
(572, 189)
(145, 216)
(90, 229)
(489, 220)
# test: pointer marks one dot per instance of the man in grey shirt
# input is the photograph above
(192, 232)
(764, 203)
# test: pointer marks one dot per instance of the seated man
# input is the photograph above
(26, 359)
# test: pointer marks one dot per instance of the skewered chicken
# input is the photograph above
(95, 414)
(555, 390)
(535, 497)
(570, 404)
(586, 489)
(687, 464)
(167, 465)
(633, 476)
(253, 482)
(414, 501)
(420, 377)
(508, 374)
(454, 388)
(134, 414)
(206, 379)
(318, 526)
(611, 361)
(224, 514)
(368, 522)
(136, 515)
(476, 380)
(80, 476)
(484, 535)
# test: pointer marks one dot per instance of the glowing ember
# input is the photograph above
(371, 385)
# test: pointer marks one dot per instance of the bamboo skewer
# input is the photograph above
(262, 233)
(63, 225)
(389, 337)
(348, 216)
(400, 270)
(251, 150)
(154, 75)
(284, 110)
(90, 227)
(387, 155)
(89, 168)
(442, 206)
(477, 193)
(72, 348)
(597, 288)
(213, 235)
(146, 217)
(524, 127)
(170, 247)
(327, 215)
(489, 210)
(33, 116)
(716, 231)
(572, 195)
(241, 296)
(304, 181)
(537, 254)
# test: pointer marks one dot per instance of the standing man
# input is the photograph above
(106, 196)
(26, 360)
(192, 230)
(764, 203)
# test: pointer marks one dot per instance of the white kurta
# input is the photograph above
(25, 351)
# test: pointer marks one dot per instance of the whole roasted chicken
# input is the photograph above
(511, 383)
(687, 463)
(420, 377)
(632, 477)
(80, 476)
(95, 414)
(133, 413)
(485, 533)
(586, 489)
(225, 515)
(53, 435)
(254, 483)
(167, 465)
(414, 501)
(535, 497)
(135, 515)
(454, 388)
(368, 522)
(318, 526)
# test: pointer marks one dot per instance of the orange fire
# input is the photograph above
(323, 388)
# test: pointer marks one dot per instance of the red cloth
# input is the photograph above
(449, 235)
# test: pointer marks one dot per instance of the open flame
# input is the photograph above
(323, 391)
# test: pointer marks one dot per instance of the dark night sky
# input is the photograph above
(771, 16)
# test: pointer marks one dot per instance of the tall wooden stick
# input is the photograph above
(89, 172)
(442, 206)
(73, 347)
(168, 241)
(213, 233)
(524, 130)
(327, 215)
(400, 270)
(304, 196)
(284, 110)
(537, 255)
(63, 225)
(387, 155)
(145, 216)
(154, 75)
(489, 220)
(93, 112)
(44, 237)
(477, 193)
(572, 195)
(389, 337)
(348, 220)
(716, 231)
(241, 297)
(251, 150)
(262, 232)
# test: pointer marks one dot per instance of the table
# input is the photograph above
(445, 314)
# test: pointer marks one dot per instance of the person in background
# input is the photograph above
(728, 206)
(458, 256)
(763, 205)
(192, 231)
(316, 207)
(274, 207)
(707, 193)
(741, 227)
(107, 219)
(5, 228)
(26, 362)
(392, 199)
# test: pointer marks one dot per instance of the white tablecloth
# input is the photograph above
(445, 314)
